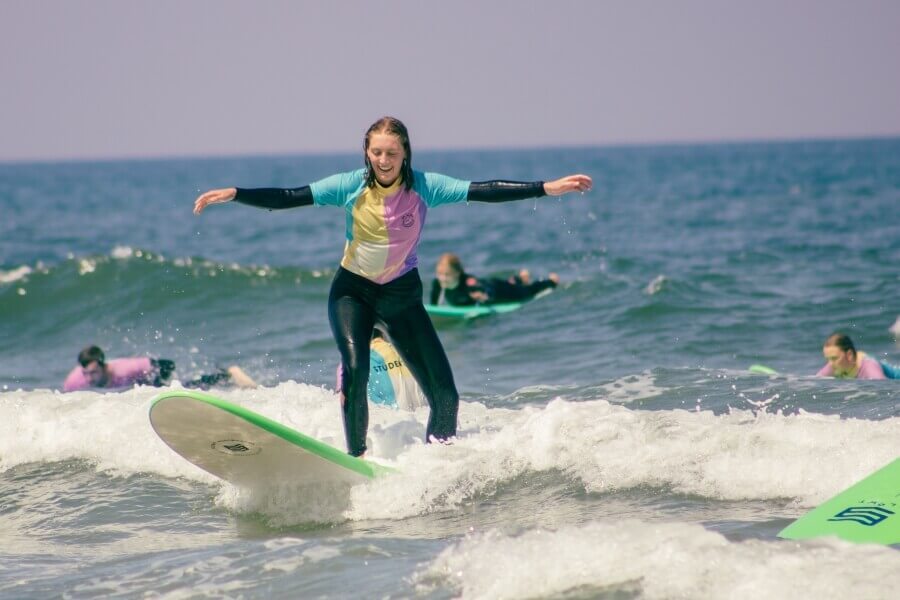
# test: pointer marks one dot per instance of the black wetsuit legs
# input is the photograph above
(204, 382)
(355, 306)
(417, 342)
(161, 375)
(352, 321)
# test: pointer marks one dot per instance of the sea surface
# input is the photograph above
(612, 441)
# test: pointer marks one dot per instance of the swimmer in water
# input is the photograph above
(453, 286)
(845, 362)
(94, 371)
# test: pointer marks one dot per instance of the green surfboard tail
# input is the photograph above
(867, 512)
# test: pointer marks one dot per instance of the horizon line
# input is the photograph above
(152, 157)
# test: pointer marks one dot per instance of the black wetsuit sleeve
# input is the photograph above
(504, 191)
(459, 296)
(435, 291)
(275, 198)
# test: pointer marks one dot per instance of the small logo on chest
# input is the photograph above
(408, 220)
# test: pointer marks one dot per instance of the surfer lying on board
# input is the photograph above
(378, 281)
(452, 285)
(390, 382)
(845, 362)
(94, 371)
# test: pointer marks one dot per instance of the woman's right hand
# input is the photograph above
(213, 197)
(572, 183)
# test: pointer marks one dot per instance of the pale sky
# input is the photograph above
(149, 78)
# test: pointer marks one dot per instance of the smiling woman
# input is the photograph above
(388, 156)
(378, 281)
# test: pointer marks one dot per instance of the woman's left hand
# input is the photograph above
(572, 183)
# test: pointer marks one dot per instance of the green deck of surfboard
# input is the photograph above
(867, 512)
(186, 421)
(471, 312)
(479, 310)
(762, 370)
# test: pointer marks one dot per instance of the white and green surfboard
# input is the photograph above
(246, 448)
(867, 512)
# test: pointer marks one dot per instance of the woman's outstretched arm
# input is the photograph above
(505, 191)
(271, 198)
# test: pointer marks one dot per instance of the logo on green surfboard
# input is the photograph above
(864, 515)
(236, 447)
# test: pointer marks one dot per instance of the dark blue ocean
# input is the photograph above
(613, 443)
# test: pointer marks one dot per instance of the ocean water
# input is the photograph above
(612, 442)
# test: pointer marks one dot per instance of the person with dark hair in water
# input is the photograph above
(452, 285)
(845, 362)
(378, 281)
(94, 371)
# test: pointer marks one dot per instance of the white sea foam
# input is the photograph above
(122, 252)
(110, 430)
(289, 554)
(656, 285)
(660, 560)
(632, 388)
(14, 274)
(601, 446)
(608, 448)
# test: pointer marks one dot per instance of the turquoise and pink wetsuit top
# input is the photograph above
(124, 372)
(384, 224)
(869, 368)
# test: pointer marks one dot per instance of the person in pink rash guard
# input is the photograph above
(94, 371)
(844, 362)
